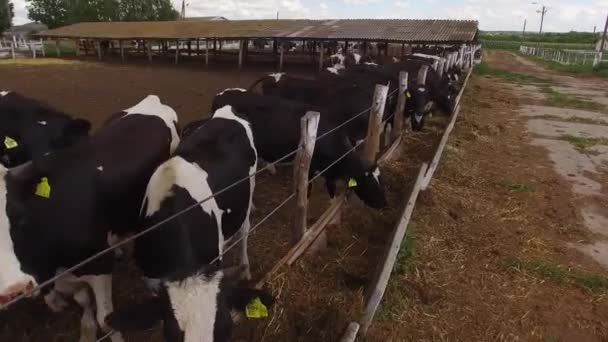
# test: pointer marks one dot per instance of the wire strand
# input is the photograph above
(187, 209)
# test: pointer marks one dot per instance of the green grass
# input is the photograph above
(514, 45)
(583, 144)
(484, 69)
(570, 38)
(561, 274)
(558, 99)
(405, 251)
(575, 119)
(518, 187)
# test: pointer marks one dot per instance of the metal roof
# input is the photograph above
(395, 30)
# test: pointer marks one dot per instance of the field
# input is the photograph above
(500, 247)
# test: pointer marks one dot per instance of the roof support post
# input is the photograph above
(189, 47)
(401, 102)
(122, 50)
(281, 50)
(98, 46)
(402, 49)
(241, 45)
(207, 52)
(198, 46)
(77, 45)
(57, 49)
(149, 46)
(321, 56)
(176, 51)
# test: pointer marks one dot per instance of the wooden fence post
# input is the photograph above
(435, 65)
(308, 136)
(401, 101)
(441, 67)
(372, 144)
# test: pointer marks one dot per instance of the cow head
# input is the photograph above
(416, 104)
(203, 307)
(14, 276)
(369, 186)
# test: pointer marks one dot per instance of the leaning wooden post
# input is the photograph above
(308, 136)
(207, 52)
(372, 144)
(400, 110)
(241, 44)
(321, 56)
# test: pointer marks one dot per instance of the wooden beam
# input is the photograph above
(399, 116)
(441, 66)
(381, 279)
(372, 144)
(308, 135)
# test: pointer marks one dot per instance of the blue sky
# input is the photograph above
(563, 15)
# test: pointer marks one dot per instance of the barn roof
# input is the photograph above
(395, 30)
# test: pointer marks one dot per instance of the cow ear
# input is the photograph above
(136, 316)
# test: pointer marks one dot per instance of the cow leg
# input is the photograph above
(88, 327)
(102, 290)
(243, 247)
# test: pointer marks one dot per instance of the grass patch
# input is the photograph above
(561, 274)
(406, 251)
(575, 69)
(557, 99)
(36, 62)
(518, 187)
(484, 69)
(584, 144)
(574, 119)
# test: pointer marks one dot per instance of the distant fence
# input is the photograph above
(514, 45)
(565, 56)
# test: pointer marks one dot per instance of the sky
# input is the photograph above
(504, 15)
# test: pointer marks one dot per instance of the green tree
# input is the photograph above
(7, 13)
(56, 13)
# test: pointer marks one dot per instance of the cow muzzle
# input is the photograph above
(15, 290)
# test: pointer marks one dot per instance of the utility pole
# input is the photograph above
(542, 12)
(600, 53)
(524, 31)
(183, 14)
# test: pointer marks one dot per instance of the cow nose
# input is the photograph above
(16, 290)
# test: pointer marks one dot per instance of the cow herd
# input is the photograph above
(66, 194)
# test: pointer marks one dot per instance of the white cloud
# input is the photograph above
(563, 15)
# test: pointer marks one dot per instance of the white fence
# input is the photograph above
(565, 56)
(21, 47)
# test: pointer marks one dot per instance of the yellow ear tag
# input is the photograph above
(10, 143)
(409, 96)
(43, 189)
(256, 309)
(352, 183)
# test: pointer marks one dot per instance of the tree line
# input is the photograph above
(549, 37)
(7, 13)
(55, 13)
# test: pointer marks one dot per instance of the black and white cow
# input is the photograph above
(30, 128)
(196, 301)
(276, 129)
(60, 209)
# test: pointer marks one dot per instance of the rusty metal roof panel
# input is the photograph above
(352, 29)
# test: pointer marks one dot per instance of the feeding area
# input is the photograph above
(283, 190)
